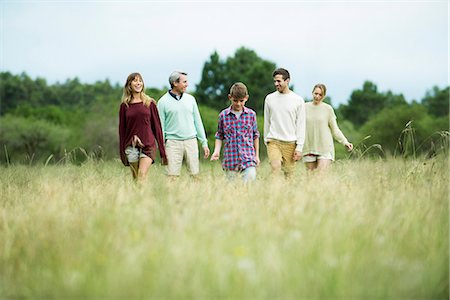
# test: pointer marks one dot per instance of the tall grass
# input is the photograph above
(365, 229)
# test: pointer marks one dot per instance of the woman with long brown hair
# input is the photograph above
(139, 128)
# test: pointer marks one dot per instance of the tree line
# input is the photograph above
(74, 121)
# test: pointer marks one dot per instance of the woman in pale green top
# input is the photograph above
(321, 127)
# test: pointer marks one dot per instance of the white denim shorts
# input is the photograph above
(134, 154)
(310, 157)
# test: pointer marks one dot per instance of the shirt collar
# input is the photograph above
(229, 111)
(175, 96)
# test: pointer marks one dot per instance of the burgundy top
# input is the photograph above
(138, 119)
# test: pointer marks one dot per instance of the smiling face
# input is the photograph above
(281, 85)
(137, 84)
(180, 86)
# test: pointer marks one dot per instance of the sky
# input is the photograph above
(401, 46)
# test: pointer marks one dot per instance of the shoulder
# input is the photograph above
(163, 98)
(188, 96)
(297, 97)
(271, 95)
(310, 108)
(327, 106)
(224, 112)
(249, 111)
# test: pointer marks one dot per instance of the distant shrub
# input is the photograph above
(29, 140)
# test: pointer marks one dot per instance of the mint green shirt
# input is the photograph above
(180, 119)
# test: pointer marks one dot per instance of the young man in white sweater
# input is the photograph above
(284, 125)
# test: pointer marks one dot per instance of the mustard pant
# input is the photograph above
(284, 152)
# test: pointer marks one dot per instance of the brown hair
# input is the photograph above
(283, 72)
(128, 91)
(322, 87)
(238, 91)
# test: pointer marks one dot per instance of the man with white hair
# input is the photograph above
(182, 125)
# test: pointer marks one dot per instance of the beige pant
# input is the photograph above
(284, 152)
(176, 151)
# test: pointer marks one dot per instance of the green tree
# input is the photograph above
(437, 101)
(402, 129)
(245, 66)
(210, 91)
(367, 102)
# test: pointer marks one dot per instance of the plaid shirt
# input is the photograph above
(238, 136)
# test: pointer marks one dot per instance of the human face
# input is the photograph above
(137, 84)
(237, 104)
(281, 85)
(317, 95)
(180, 86)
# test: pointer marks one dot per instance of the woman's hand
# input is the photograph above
(136, 141)
(349, 146)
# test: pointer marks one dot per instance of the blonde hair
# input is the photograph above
(238, 90)
(322, 87)
(128, 91)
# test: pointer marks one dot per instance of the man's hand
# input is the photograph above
(297, 155)
(206, 151)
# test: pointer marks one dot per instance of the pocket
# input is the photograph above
(128, 150)
(247, 130)
(132, 154)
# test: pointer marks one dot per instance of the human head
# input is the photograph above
(238, 96)
(281, 80)
(178, 81)
(127, 87)
(238, 91)
(128, 90)
(319, 92)
(283, 72)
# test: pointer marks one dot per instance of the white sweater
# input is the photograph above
(284, 118)
(321, 127)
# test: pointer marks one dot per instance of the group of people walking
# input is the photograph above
(293, 130)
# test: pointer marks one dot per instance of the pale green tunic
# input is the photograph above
(321, 127)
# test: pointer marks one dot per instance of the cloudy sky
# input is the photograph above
(401, 46)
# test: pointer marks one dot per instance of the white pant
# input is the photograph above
(176, 151)
(247, 175)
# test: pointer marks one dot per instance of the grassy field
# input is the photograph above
(367, 229)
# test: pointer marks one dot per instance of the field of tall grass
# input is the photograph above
(365, 229)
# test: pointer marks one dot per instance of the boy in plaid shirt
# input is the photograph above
(238, 128)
